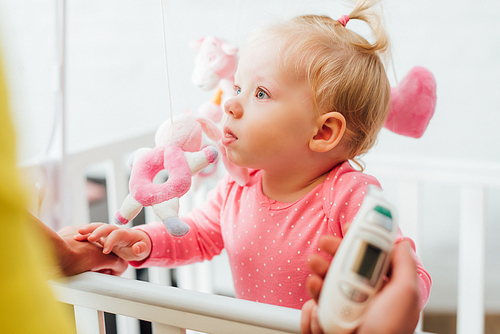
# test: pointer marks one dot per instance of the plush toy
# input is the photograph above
(214, 67)
(412, 106)
(413, 102)
(178, 144)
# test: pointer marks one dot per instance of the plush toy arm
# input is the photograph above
(136, 155)
(168, 213)
(128, 211)
(201, 159)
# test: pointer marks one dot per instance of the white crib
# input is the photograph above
(172, 310)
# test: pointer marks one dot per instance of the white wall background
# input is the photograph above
(116, 85)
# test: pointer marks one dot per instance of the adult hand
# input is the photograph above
(395, 309)
(309, 323)
(129, 244)
(77, 256)
(74, 257)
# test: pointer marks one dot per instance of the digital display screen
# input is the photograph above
(367, 260)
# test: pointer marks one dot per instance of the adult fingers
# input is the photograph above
(309, 323)
(345, 228)
(315, 327)
(318, 265)
(329, 244)
(305, 317)
(115, 265)
(81, 237)
(109, 264)
(313, 286)
(403, 264)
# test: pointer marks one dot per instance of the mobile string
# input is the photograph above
(166, 60)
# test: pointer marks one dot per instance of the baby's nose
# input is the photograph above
(233, 108)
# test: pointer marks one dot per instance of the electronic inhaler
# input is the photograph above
(359, 265)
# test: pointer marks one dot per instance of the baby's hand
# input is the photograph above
(129, 244)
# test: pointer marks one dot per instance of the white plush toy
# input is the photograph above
(177, 150)
(214, 67)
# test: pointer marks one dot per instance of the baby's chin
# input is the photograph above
(235, 160)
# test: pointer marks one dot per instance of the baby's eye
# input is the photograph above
(237, 90)
(261, 94)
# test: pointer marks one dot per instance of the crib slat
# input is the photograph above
(408, 210)
(124, 324)
(470, 308)
(89, 321)
(409, 216)
(80, 214)
(166, 329)
(127, 325)
(116, 185)
(158, 275)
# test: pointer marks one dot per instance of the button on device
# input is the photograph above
(380, 216)
(359, 296)
(352, 293)
(347, 289)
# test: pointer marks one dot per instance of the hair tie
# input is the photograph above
(343, 20)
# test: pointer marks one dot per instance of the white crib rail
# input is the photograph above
(473, 179)
(171, 310)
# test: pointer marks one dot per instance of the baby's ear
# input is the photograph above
(330, 129)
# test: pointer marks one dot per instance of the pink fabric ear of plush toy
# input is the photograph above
(413, 102)
(214, 67)
(177, 150)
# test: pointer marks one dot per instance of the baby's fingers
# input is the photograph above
(140, 249)
(88, 229)
(81, 237)
(102, 231)
(125, 244)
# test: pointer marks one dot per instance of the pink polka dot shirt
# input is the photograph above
(267, 242)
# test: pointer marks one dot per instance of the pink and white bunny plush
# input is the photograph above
(178, 150)
(214, 67)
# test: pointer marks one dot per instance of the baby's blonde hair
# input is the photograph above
(343, 70)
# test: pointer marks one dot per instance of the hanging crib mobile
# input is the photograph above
(178, 151)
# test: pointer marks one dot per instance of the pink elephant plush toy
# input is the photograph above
(214, 67)
(178, 150)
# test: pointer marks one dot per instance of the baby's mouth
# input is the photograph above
(228, 133)
(229, 137)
